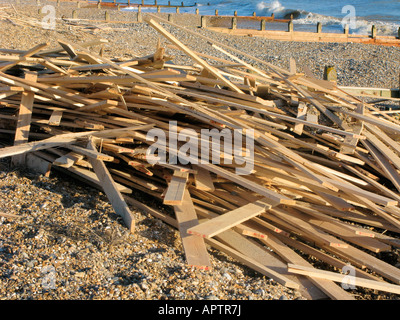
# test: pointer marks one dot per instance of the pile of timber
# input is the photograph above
(325, 176)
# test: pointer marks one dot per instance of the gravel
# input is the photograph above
(68, 243)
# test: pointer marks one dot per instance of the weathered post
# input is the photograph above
(234, 23)
(203, 22)
(373, 32)
(216, 12)
(319, 27)
(107, 16)
(74, 14)
(263, 25)
(290, 26)
(346, 29)
(330, 73)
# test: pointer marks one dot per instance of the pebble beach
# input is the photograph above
(67, 242)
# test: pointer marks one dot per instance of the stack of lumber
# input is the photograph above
(325, 176)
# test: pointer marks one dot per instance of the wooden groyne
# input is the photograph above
(318, 36)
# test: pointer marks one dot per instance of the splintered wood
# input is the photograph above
(259, 163)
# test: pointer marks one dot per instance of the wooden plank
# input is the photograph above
(254, 264)
(176, 189)
(190, 53)
(68, 160)
(63, 139)
(342, 278)
(273, 196)
(195, 249)
(230, 219)
(111, 190)
(55, 118)
(385, 150)
(91, 154)
(306, 230)
(390, 172)
(202, 179)
(24, 121)
(99, 106)
(290, 256)
(301, 113)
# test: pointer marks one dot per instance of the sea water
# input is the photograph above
(360, 15)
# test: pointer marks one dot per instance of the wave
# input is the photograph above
(279, 11)
(303, 17)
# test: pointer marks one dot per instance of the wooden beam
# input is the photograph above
(111, 190)
(194, 247)
(176, 189)
(230, 219)
(190, 53)
(344, 279)
(290, 256)
(24, 121)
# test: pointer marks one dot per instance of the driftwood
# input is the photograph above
(308, 162)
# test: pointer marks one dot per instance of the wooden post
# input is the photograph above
(290, 26)
(170, 18)
(140, 9)
(107, 16)
(99, 5)
(216, 12)
(263, 25)
(78, 4)
(74, 14)
(203, 22)
(234, 23)
(169, 3)
(197, 11)
(139, 16)
(235, 13)
(273, 16)
(398, 33)
(254, 14)
(129, 3)
(177, 9)
(155, 2)
(142, 2)
(346, 29)
(330, 73)
(58, 3)
(319, 27)
(158, 9)
(118, 7)
(24, 120)
(373, 32)
(182, 4)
